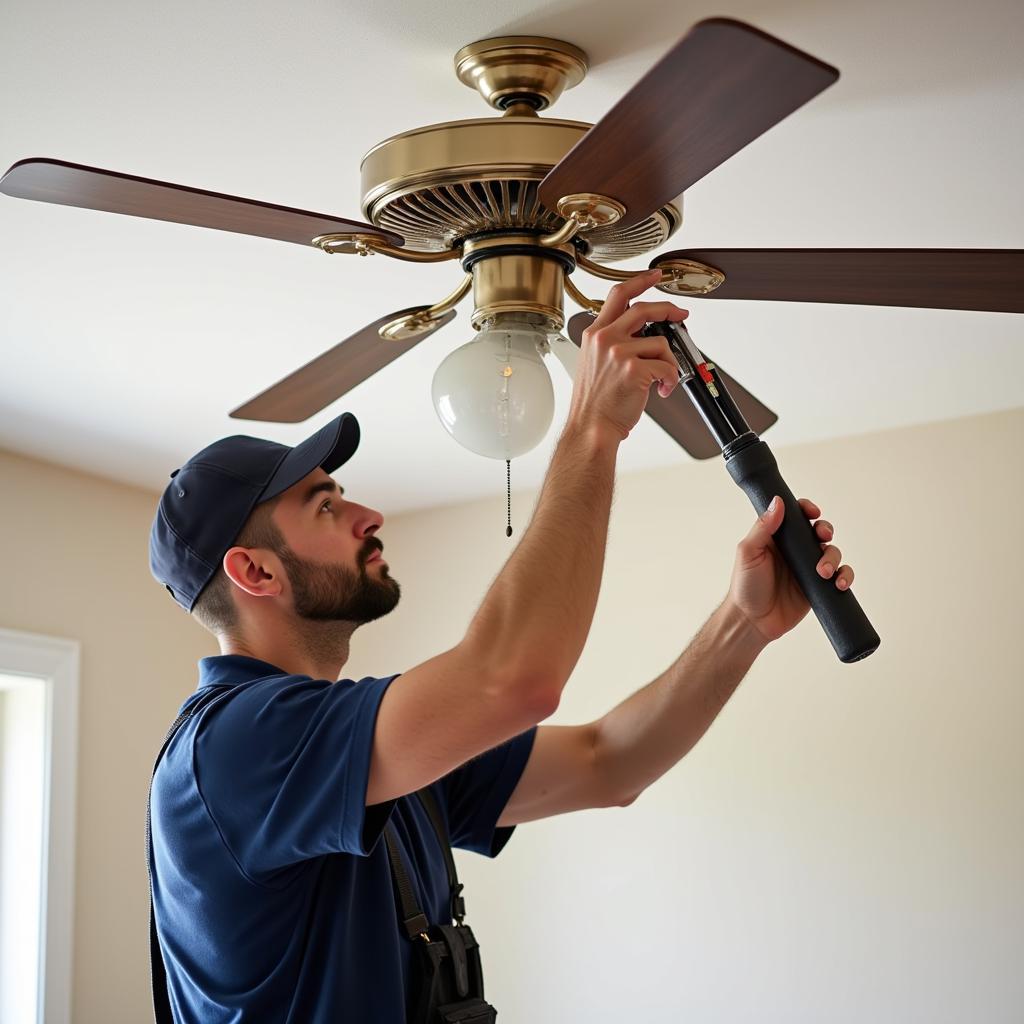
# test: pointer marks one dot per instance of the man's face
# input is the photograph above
(328, 559)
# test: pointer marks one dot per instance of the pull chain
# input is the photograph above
(508, 491)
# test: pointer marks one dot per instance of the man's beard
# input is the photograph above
(325, 592)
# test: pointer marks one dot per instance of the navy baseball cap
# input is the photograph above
(208, 500)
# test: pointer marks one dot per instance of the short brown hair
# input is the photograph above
(215, 608)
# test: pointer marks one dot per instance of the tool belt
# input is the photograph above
(447, 982)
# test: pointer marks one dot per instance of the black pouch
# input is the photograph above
(469, 1011)
(448, 984)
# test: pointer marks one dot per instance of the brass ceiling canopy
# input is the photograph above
(443, 183)
(530, 70)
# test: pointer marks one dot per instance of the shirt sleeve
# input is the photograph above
(476, 793)
(283, 767)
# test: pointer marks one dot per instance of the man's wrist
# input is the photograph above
(597, 433)
(736, 631)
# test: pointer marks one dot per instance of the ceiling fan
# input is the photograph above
(523, 201)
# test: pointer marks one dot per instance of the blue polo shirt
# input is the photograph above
(271, 881)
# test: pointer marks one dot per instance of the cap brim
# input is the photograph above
(330, 447)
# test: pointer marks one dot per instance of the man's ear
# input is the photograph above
(257, 571)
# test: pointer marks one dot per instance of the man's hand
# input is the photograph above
(762, 587)
(617, 366)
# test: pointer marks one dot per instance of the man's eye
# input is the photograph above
(325, 504)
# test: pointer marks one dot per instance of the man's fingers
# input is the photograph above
(635, 317)
(655, 347)
(665, 375)
(765, 525)
(641, 313)
(666, 387)
(648, 357)
(823, 529)
(828, 565)
(618, 298)
(810, 509)
(831, 557)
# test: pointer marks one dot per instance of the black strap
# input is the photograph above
(157, 971)
(414, 921)
(458, 904)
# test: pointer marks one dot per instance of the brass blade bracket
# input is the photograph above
(689, 277)
(361, 244)
(583, 211)
(413, 324)
(590, 305)
(681, 277)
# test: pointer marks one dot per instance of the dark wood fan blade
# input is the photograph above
(676, 414)
(315, 385)
(92, 188)
(989, 279)
(721, 86)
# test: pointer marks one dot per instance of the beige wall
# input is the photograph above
(846, 842)
(76, 565)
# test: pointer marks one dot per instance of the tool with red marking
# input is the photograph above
(752, 465)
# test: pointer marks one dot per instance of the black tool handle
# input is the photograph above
(752, 465)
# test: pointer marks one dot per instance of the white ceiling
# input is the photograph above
(126, 341)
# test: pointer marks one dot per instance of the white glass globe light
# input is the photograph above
(494, 394)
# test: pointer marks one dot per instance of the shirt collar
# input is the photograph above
(232, 669)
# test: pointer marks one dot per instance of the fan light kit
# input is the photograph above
(494, 394)
(522, 202)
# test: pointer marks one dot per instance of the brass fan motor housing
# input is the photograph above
(514, 273)
(442, 183)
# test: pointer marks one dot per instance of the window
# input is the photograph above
(38, 747)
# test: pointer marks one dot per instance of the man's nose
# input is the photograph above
(368, 521)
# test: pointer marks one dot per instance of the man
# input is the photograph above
(272, 889)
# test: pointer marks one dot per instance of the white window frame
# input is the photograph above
(55, 660)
